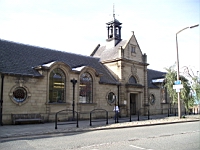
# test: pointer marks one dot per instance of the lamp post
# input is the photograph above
(73, 81)
(179, 103)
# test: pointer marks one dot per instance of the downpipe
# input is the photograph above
(1, 100)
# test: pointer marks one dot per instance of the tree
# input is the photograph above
(185, 93)
(194, 83)
(170, 77)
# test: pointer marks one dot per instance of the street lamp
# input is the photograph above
(179, 103)
(73, 81)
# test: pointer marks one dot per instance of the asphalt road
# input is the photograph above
(181, 136)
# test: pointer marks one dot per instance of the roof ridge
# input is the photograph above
(45, 48)
(156, 70)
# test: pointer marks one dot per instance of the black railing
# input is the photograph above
(124, 118)
(65, 117)
(163, 111)
(101, 115)
(172, 111)
(143, 112)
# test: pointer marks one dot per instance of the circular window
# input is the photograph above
(19, 94)
(111, 98)
(152, 99)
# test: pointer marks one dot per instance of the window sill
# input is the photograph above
(87, 104)
(56, 103)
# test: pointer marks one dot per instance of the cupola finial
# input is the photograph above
(114, 30)
(113, 10)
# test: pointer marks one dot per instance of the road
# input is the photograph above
(180, 136)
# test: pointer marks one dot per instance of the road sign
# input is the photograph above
(177, 82)
(178, 87)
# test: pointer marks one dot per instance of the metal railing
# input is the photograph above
(143, 112)
(98, 115)
(127, 117)
(65, 117)
(172, 112)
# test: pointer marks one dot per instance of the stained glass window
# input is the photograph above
(19, 94)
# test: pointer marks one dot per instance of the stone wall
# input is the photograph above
(37, 96)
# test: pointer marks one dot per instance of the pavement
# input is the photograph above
(27, 130)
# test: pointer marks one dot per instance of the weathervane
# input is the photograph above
(113, 10)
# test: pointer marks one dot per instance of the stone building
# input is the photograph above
(45, 81)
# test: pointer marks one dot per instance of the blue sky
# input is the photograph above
(77, 26)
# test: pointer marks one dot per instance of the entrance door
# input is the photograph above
(133, 104)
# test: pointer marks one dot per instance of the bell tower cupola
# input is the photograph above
(114, 30)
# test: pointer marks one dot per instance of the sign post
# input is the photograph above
(178, 86)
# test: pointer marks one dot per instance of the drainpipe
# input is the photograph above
(1, 100)
(118, 101)
(118, 94)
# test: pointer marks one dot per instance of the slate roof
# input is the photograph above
(20, 59)
(115, 21)
(108, 54)
(154, 74)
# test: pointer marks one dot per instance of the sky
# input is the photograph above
(78, 26)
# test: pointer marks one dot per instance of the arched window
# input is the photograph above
(57, 86)
(132, 80)
(85, 89)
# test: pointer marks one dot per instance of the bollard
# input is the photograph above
(148, 114)
(77, 121)
(175, 111)
(117, 117)
(138, 115)
(106, 117)
(56, 122)
(90, 119)
(168, 112)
